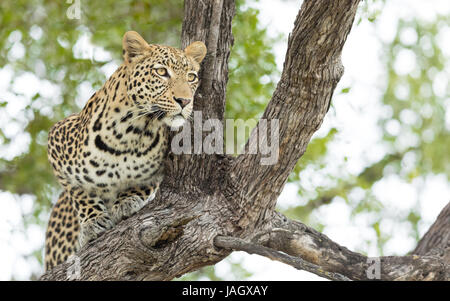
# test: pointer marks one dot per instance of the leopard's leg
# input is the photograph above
(61, 238)
(131, 201)
(92, 215)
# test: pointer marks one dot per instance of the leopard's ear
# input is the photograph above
(197, 50)
(133, 46)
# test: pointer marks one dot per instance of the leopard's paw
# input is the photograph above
(126, 207)
(93, 227)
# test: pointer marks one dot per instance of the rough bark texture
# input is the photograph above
(209, 205)
(437, 240)
(296, 239)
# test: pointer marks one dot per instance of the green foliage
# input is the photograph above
(370, 10)
(418, 99)
(252, 67)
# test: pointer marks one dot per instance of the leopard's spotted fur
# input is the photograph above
(108, 157)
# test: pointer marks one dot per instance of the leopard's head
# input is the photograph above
(162, 80)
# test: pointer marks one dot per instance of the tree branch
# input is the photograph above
(210, 22)
(312, 69)
(296, 239)
(162, 241)
(437, 239)
(237, 244)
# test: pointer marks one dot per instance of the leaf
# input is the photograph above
(345, 90)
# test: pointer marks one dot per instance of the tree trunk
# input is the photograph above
(209, 205)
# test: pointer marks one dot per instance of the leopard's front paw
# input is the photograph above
(93, 227)
(126, 207)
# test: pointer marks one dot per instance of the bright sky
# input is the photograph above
(360, 106)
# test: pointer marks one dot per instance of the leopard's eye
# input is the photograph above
(162, 72)
(192, 77)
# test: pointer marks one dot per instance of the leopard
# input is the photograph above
(108, 158)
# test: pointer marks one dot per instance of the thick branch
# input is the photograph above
(210, 22)
(164, 240)
(144, 248)
(237, 244)
(296, 239)
(311, 72)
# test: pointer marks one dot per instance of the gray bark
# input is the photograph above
(209, 205)
(437, 240)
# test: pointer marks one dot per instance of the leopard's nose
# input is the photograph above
(182, 101)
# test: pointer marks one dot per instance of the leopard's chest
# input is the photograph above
(111, 163)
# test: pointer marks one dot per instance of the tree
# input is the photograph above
(211, 204)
